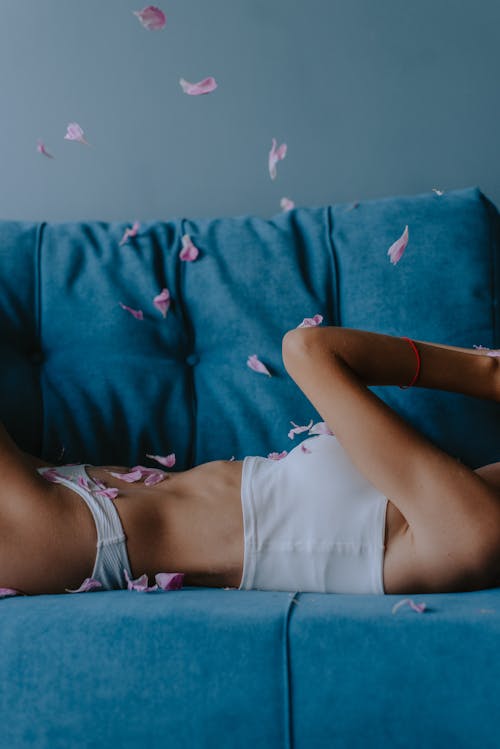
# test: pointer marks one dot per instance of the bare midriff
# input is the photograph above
(192, 522)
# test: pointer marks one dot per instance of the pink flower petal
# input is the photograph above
(287, 204)
(151, 17)
(305, 449)
(396, 249)
(491, 352)
(420, 607)
(130, 233)
(254, 363)
(278, 456)
(298, 430)
(140, 583)
(52, 475)
(90, 583)
(275, 155)
(311, 322)
(110, 493)
(162, 301)
(84, 483)
(155, 478)
(165, 460)
(130, 477)
(438, 192)
(137, 313)
(4, 592)
(206, 86)
(189, 252)
(320, 428)
(170, 580)
(41, 149)
(75, 132)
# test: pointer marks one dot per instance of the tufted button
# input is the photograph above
(192, 360)
(37, 357)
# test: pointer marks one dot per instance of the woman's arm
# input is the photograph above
(389, 360)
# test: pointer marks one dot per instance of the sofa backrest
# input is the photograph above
(84, 380)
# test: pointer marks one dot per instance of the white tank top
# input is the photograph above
(312, 522)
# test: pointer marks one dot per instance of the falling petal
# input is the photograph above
(320, 428)
(189, 252)
(352, 206)
(170, 580)
(41, 149)
(254, 363)
(298, 430)
(130, 233)
(151, 17)
(130, 477)
(420, 607)
(278, 456)
(165, 460)
(206, 86)
(155, 478)
(232, 458)
(90, 583)
(162, 301)
(140, 584)
(396, 249)
(305, 449)
(75, 132)
(438, 192)
(275, 155)
(137, 313)
(287, 204)
(4, 592)
(311, 322)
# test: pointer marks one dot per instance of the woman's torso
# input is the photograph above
(192, 522)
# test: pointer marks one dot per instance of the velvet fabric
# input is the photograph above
(83, 380)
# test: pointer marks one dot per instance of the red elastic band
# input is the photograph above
(415, 377)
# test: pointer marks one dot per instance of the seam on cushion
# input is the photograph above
(38, 321)
(287, 701)
(189, 328)
(335, 281)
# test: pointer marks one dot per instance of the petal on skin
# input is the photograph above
(111, 493)
(189, 252)
(206, 86)
(90, 583)
(151, 17)
(311, 322)
(287, 204)
(320, 428)
(494, 352)
(305, 449)
(52, 475)
(396, 249)
(130, 233)
(275, 155)
(41, 149)
(491, 352)
(254, 363)
(278, 456)
(129, 477)
(165, 460)
(155, 478)
(162, 301)
(4, 592)
(420, 607)
(298, 430)
(75, 132)
(137, 313)
(170, 580)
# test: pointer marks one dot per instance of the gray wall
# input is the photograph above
(373, 98)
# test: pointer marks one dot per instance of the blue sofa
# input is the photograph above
(82, 379)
